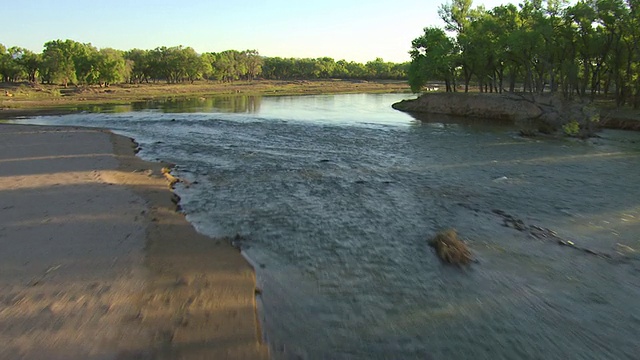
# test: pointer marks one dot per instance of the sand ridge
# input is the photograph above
(96, 263)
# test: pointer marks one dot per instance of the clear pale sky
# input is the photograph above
(358, 30)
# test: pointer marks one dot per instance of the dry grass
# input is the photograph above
(166, 172)
(450, 248)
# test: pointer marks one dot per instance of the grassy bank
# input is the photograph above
(33, 99)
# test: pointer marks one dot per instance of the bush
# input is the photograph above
(572, 128)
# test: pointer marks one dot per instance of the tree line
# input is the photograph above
(589, 48)
(325, 68)
(71, 62)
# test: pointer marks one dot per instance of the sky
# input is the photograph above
(354, 30)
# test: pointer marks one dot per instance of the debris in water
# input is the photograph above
(542, 233)
(450, 248)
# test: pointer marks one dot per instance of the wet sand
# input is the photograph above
(97, 264)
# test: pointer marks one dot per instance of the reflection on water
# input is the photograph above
(337, 195)
(249, 104)
(104, 108)
(469, 123)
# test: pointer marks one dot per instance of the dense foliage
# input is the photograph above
(70, 62)
(588, 48)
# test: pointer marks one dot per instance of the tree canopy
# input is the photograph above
(70, 62)
(588, 48)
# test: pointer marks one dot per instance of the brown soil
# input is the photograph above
(623, 119)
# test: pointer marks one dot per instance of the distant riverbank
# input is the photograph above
(27, 99)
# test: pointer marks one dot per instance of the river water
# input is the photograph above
(336, 196)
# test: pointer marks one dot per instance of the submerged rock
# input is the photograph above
(450, 248)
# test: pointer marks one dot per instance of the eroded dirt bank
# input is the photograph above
(546, 113)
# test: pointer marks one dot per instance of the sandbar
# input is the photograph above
(96, 263)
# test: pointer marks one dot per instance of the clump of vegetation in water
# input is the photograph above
(572, 128)
(583, 122)
(450, 248)
(578, 119)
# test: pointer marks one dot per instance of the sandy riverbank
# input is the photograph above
(96, 264)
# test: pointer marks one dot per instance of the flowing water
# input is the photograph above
(336, 196)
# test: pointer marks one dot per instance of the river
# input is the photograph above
(336, 196)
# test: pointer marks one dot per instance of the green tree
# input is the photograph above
(591, 47)
(432, 58)
(614, 18)
(253, 63)
(324, 68)
(232, 65)
(110, 65)
(630, 74)
(194, 66)
(456, 14)
(582, 15)
(176, 59)
(139, 65)
(85, 58)
(31, 63)
(58, 64)
(356, 70)
(4, 63)
(10, 67)
(378, 68)
(226, 65)
(457, 17)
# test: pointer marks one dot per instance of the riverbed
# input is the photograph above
(334, 198)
